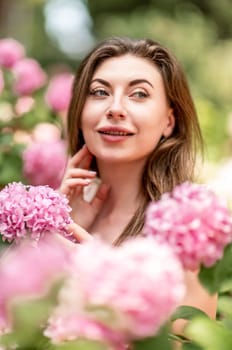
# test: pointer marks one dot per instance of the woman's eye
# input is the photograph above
(140, 94)
(98, 92)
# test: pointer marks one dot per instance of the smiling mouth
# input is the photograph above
(116, 133)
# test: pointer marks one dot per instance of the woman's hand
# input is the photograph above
(78, 176)
(77, 232)
(80, 234)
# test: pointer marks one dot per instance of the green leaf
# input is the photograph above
(191, 346)
(3, 245)
(226, 286)
(187, 313)
(215, 277)
(224, 306)
(209, 334)
(11, 169)
(30, 315)
(227, 323)
(6, 138)
(159, 341)
(80, 345)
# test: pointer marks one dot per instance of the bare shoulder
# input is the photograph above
(197, 296)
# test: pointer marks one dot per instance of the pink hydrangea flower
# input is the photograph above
(44, 163)
(73, 326)
(58, 94)
(193, 221)
(29, 76)
(13, 204)
(11, 51)
(24, 105)
(28, 211)
(2, 84)
(131, 290)
(46, 132)
(28, 272)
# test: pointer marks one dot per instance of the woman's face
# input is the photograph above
(126, 111)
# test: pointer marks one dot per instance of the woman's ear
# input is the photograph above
(170, 124)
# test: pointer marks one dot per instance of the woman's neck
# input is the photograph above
(124, 181)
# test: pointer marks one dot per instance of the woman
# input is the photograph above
(132, 124)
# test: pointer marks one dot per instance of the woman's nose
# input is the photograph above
(116, 110)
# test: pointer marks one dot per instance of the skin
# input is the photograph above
(126, 95)
(126, 92)
(119, 97)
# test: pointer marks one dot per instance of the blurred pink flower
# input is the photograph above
(29, 76)
(21, 136)
(32, 212)
(193, 221)
(75, 326)
(117, 288)
(1, 82)
(58, 94)
(11, 51)
(46, 132)
(28, 272)
(24, 105)
(44, 163)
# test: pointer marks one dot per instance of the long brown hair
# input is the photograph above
(173, 160)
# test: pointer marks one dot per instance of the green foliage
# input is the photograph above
(209, 334)
(160, 341)
(79, 345)
(30, 314)
(201, 331)
(219, 275)
(213, 122)
(187, 313)
(13, 123)
(10, 159)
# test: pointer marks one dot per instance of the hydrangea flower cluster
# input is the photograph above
(11, 51)
(29, 76)
(121, 294)
(58, 92)
(193, 221)
(39, 167)
(30, 95)
(32, 211)
(39, 268)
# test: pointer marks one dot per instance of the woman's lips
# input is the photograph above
(114, 134)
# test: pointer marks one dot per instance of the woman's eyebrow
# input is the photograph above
(139, 81)
(101, 81)
(131, 83)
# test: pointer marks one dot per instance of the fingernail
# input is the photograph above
(87, 181)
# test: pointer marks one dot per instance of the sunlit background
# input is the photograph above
(199, 32)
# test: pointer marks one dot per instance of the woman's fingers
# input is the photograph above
(80, 234)
(75, 178)
(69, 184)
(78, 172)
(81, 159)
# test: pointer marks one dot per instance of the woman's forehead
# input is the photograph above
(126, 66)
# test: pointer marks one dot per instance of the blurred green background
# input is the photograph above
(199, 32)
